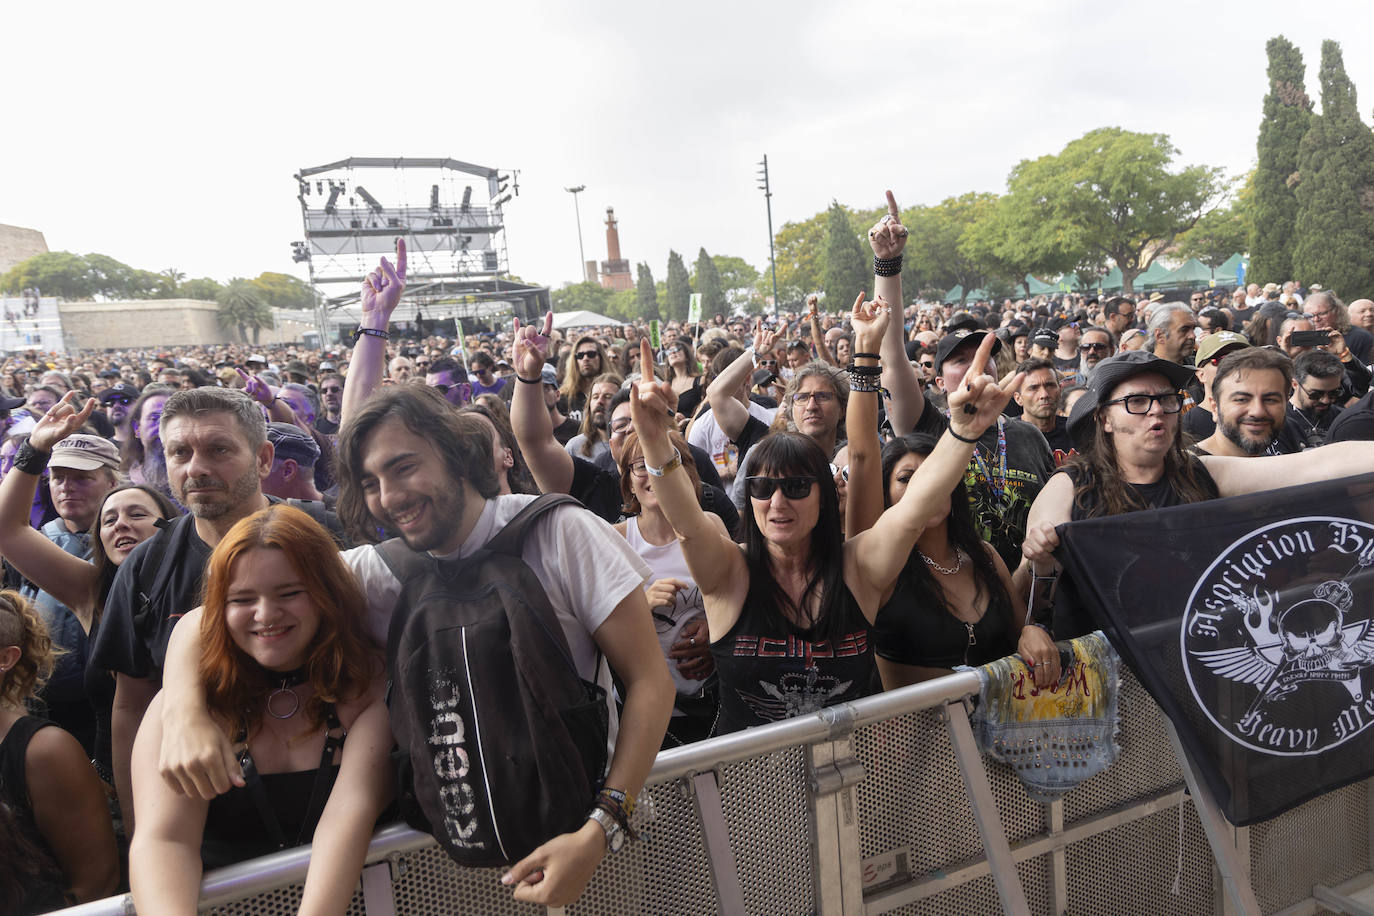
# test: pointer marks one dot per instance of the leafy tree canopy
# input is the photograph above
(283, 291)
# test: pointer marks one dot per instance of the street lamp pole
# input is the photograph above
(582, 264)
(767, 190)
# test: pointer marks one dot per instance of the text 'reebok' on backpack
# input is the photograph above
(506, 743)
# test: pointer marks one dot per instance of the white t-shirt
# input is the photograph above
(666, 561)
(707, 435)
(586, 569)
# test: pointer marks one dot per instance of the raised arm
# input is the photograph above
(278, 411)
(865, 498)
(813, 319)
(71, 580)
(381, 294)
(888, 238)
(550, 464)
(875, 558)
(730, 414)
(1235, 476)
(712, 558)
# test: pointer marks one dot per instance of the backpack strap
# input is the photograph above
(511, 538)
(152, 560)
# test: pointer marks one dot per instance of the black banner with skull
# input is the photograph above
(1251, 621)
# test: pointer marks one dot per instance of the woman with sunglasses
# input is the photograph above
(789, 611)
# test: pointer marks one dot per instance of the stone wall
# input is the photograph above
(19, 244)
(157, 323)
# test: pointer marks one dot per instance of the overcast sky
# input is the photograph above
(166, 135)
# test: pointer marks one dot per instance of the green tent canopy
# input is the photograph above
(954, 294)
(1154, 276)
(1191, 272)
(1226, 273)
(1039, 288)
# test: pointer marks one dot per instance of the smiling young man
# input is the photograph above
(1250, 390)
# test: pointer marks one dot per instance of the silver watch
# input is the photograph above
(615, 835)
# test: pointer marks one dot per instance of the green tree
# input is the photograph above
(53, 273)
(110, 278)
(241, 308)
(588, 296)
(1110, 196)
(1335, 190)
(1286, 119)
(943, 251)
(737, 280)
(677, 300)
(200, 288)
(283, 291)
(797, 251)
(1003, 241)
(1221, 232)
(623, 305)
(847, 269)
(646, 293)
(708, 284)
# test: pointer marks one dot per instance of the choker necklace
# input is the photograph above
(277, 709)
(959, 556)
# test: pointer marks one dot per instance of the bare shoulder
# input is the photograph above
(1054, 503)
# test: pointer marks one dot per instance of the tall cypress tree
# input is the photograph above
(1335, 190)
(1287, 116)
(709, 285)
(847, 270)
(676, 299)
(646, 293)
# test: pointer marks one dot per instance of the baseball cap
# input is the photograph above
(256, 358)
(12, 403)
(290, 441)
(951, 342)
(84, 453)
(297, 367)
(1111, 372)
(326, 365)
(763, 376)
(120, 390)
(1213, 344)
(549, 375)
(1045, 338)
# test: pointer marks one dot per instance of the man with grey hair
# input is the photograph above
(1169, 333)
(1327, 313)
(215, 440)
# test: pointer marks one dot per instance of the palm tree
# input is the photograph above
(241, 307)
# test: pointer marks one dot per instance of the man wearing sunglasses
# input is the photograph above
(1318, 377)
(1131, 457)
(116, 401)
(449, 376)
(1094, 345)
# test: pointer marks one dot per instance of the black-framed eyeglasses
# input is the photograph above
(1092, 346)
(792, 487)
(1321, 395)
(588, 354)
(1169, 402)
(637, 468)
(821, 397)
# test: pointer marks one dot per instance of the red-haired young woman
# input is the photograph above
(289, 671)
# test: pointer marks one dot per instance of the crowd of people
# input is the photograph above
(772, 515)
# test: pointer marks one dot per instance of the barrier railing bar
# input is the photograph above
(832, 774)
(1059, 861)
(379, 896)
(827, 725)
(1218, 832)
(1340, 902)
(715, 836)
(985, 813)
(1022, 850)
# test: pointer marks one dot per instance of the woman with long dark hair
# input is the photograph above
(952, 605)
(789, 611)
(294, 679)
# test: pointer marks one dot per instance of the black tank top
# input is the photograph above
(46, 891)
(770, 671)
(912, 631)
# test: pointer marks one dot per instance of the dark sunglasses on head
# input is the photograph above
(792, 487)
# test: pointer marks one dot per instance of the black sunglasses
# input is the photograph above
(792, 487)
(1092, 346)
(119, 400)
(588, 354)
(1321, 395)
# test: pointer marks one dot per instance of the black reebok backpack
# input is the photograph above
(502, 744)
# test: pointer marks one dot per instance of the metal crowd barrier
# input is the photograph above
(884, 806)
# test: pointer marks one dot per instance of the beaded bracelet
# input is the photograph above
(887, 267)
(865, 384)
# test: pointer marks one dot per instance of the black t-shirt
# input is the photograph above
(1360, 343)
(1060, 443)
(1199, 423)
(133, 635)
(1356, 422)
(327, 426)
(598, 488)
(1000, 490)
(564, 431)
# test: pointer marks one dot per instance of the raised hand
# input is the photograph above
(977, 401)
(382, 287)
(530, 349)
(256, 388)
(888, 235)
(813, 302)
(763, 338)
(61, 420)
(869, 320)
(652, 403)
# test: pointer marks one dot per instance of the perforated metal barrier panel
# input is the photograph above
(1128, 838)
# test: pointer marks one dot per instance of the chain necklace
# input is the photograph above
(960, 558)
